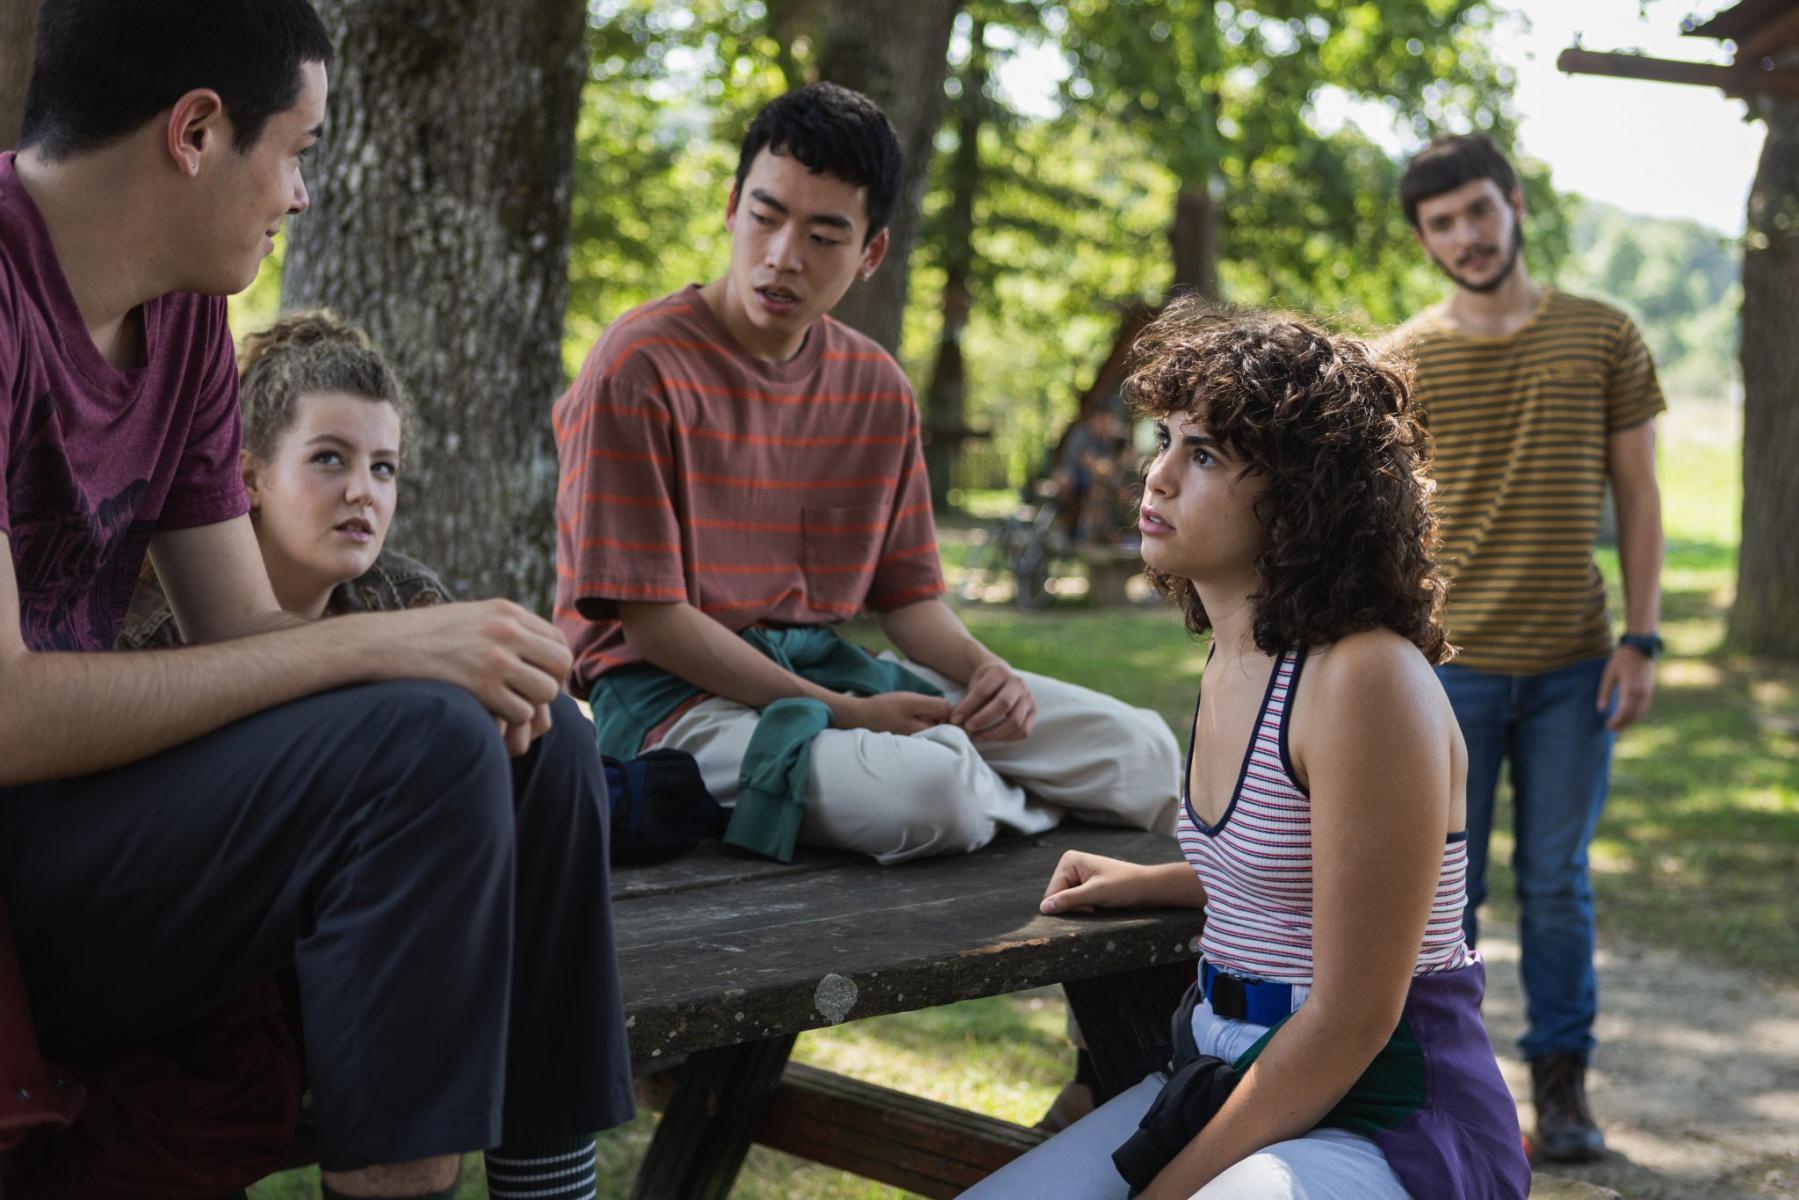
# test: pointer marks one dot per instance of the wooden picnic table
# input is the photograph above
(726, 959)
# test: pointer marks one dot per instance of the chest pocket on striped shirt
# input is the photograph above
(1570, 394)
(840, 547)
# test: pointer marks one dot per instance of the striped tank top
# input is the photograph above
(1256, 862)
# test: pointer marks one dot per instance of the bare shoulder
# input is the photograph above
(1377, 726)
(1377, 678)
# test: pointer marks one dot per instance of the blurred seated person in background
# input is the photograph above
(1096, 479)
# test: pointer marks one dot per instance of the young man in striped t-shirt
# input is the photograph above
(739, 473)
(1536, 400)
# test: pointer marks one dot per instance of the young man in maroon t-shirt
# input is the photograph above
(334, 800)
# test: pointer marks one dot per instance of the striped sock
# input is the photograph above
(544, 1171)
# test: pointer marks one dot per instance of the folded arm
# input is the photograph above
(65, 714)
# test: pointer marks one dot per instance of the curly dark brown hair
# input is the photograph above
(1348, 534)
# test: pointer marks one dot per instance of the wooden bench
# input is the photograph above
(726, 959)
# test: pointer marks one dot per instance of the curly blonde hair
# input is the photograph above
(1348, 536)
(314, 350)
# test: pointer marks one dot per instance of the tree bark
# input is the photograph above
(897, 55)
(946, 396)
(1193, 238)
(440, 223)
(18, 25)
(1765, 618)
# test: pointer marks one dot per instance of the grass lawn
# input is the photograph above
(1698, 845)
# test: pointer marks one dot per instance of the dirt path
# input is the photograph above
(1696, 1080)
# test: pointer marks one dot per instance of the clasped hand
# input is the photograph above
(509, 659)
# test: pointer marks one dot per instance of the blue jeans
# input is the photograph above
(1550, 730)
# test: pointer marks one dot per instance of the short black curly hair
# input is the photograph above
(832, 130)
(1348, 534)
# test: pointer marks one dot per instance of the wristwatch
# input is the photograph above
(1649, 645)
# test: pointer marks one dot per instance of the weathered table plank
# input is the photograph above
(715, 950)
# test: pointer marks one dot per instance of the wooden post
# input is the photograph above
(718, 1104)
(1125, 1021)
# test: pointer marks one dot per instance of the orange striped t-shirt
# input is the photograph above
(762, 493)
(1519, 428)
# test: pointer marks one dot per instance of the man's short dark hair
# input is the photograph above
(832, 130)
(1447, 163)
(103, 68)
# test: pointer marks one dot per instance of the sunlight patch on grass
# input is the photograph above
(1689, 673)
(1006, 1056)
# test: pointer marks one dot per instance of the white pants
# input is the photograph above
(1076, 1164)
(936, 792)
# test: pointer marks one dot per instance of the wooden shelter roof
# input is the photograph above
(1758, 27)
(1762, 31)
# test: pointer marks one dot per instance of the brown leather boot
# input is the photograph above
(1566, 1132)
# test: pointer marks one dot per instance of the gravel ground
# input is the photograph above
(1696, 1080)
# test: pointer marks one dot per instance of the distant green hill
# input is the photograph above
(1679, 279)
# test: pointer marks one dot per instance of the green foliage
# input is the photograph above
(1228, 96)
(669, 90)
(1678, 279)
(257, 306)
(1069, 226)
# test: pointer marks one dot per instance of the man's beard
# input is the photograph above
(1499, 277)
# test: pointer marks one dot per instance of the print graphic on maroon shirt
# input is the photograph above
(76, 559)
(97, 458)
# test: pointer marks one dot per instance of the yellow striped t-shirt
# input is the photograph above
(1519, 426)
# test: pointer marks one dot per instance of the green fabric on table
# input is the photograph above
(771, 787)
(632, 701)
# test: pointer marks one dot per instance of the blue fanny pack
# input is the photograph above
(1239, 998)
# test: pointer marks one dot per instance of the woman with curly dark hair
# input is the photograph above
(1332, 1046)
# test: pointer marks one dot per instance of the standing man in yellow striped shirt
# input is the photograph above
(1536, 400)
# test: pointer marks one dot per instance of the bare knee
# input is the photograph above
(938, 798)
(423, 1177)
(909, 798)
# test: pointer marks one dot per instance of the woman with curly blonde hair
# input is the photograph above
(324, 414)
(1332, 1046)
(323, 419)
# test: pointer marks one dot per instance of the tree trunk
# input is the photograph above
(1765, 617)
(1194, 240)
(945, 398)
(789, 21)
(440, 223)
(897, 55)
(18, 24)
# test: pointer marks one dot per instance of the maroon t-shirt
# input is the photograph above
(93, 460)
